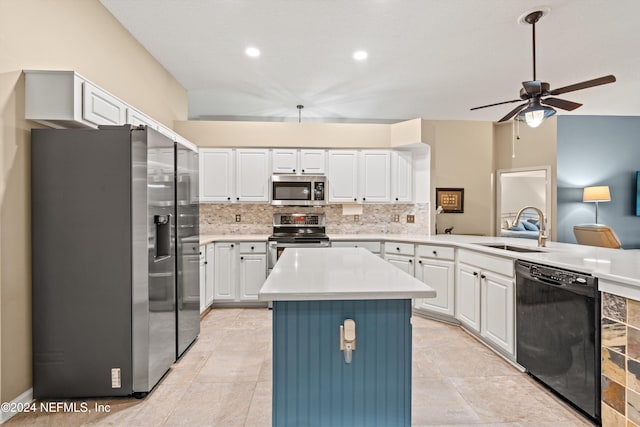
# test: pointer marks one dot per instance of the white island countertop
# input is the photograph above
(339, 274)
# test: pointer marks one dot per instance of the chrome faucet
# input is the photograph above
(542, 238)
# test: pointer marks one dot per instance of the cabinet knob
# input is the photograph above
(482, 276)
(410, 261)
(252, 247)
(302, 170)
(435, 253)
(228, 198)
(200, 253)
(475, 273)
(294, 171)
(420, 262)
(364, 198)
(355, 199)
(397, 249)
(396, 199)
(241, 258)
(237, 198)
(206, 263)
(232, 245)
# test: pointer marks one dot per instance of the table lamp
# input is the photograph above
(596, 194)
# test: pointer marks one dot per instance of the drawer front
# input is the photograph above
(438, 252)
(486, 262)
(370, 246)
(253, 248)
(399, 248)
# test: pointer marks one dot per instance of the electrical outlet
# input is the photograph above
(396, 218)
(411, 219)
(238, 218)
(356, 218)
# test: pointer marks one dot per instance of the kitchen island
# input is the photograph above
(315, 291)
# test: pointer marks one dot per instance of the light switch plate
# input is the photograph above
(411, 219)
(356, 218)
(238, 218)
(396, 218)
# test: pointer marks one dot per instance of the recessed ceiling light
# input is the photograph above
(360, 55)
(252, 52)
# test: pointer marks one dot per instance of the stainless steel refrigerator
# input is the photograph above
(109, 315)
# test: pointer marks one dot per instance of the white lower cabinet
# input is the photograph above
(253, 272)
(440, 276)
(401, 255)
(468, 297)
(373, 247)
(206, 275)
(485, 298)
(240, 271)
(226, 267)
(496, 308)
(203, 278)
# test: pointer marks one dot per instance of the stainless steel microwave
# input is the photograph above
(298, 190)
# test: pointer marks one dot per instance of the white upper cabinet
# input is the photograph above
(252, 175)
(375, 176)
(343, 176)
(298, 161)
(285, 160)
(217, 167)
(401, 177)
(312, 162)
(102, 108)
(136, 118)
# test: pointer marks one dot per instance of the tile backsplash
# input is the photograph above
(257, 218)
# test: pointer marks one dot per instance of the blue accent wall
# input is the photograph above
(598, 150)
(313, 386)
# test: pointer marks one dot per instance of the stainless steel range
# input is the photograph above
(296, 231)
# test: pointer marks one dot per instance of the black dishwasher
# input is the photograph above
(558, 332)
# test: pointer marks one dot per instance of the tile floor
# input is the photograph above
(225, 380)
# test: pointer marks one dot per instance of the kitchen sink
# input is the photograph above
(506, 247)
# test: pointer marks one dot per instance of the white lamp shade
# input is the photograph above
(596, 194)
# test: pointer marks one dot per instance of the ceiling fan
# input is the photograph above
(539, 105)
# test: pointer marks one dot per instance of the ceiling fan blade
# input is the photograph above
(584, 85)
(497, 103)
(533, 87)
(514, 112)
(561, 103)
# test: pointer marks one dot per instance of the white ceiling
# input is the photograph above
(433, 59)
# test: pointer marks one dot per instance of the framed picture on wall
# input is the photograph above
(451, 199)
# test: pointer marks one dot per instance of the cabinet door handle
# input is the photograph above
(475, 273)
(482, 276)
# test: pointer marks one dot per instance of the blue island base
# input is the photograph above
(312, 384)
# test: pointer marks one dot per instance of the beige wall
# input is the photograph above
(462, 157)
(284, 134)
(78, 35)
(536, 147)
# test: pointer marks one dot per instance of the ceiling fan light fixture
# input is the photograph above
(534, 116)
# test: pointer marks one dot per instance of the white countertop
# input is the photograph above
(339, 274)
(618, 270)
